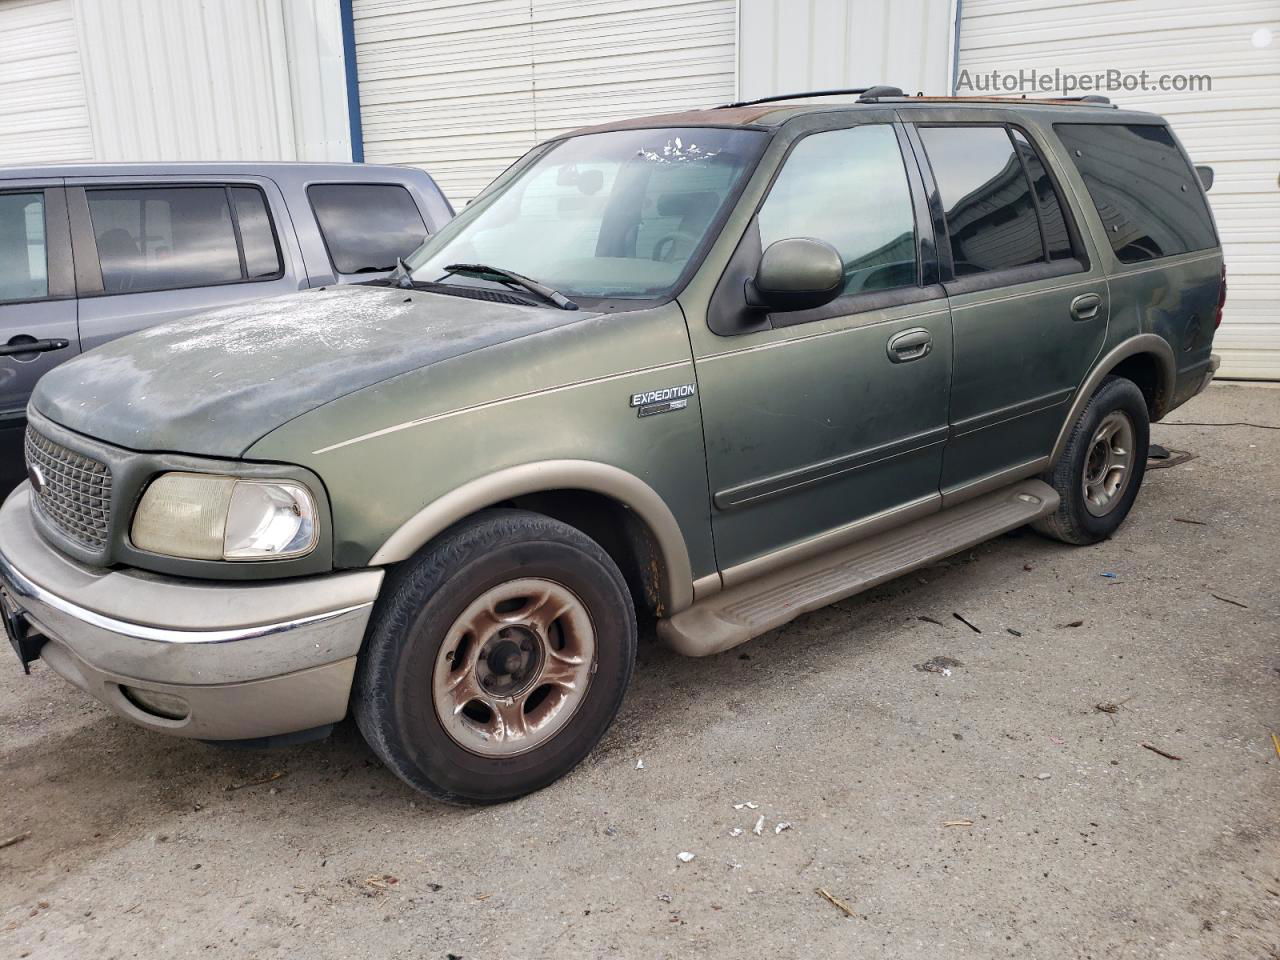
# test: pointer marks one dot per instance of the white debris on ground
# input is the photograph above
(758, 829)
(684, 856)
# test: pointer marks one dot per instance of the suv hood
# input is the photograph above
(214, 383)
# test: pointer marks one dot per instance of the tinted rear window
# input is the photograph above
(172, 238)
(991, 215)
(367, 225)
(1145, 192)
(161, 238)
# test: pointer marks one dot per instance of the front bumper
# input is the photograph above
(247, 659)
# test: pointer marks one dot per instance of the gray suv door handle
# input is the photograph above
(1085, 306)
(17, 346)
(910, 345)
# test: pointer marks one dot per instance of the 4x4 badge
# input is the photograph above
(653, 402)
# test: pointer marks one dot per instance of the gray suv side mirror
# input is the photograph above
(796, 274)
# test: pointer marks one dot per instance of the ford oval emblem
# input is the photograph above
(36, 475)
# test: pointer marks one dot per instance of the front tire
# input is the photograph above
(1100, 471)
(497, 658)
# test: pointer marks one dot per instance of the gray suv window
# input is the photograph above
(163, 238)
(23, 259)
(849, 188)
(367, 225)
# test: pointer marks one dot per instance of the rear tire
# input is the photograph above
(496, 659)
(1100, 471)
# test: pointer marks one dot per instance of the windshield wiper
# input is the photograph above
(511, 278)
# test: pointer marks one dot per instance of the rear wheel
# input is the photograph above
(1100, 471)
(497, 659)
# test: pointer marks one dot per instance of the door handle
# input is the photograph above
(910, 345)
(1085, 306)
(16, 346)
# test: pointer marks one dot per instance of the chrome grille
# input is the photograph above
(72, 491)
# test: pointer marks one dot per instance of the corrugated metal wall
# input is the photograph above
(43, 114)
(790, 45)
(462, 88)
(172, 80)
(214, 79)
(185, 79)
(1235, 128)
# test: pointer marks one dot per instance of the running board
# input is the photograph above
(734, 616)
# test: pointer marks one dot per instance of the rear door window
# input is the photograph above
(170, 238)
(367, 225)
(848, 188)
(24, 261)
(1143, 188)
(990, 211)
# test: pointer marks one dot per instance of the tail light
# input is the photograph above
(1222, 299)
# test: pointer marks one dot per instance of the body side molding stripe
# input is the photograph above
(993, 418)
(756, 490)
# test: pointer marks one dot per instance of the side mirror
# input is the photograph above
(1206, 177)
(796, 274)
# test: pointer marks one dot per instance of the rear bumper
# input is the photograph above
(1210, 372)
(244, 659)
(1193, 381)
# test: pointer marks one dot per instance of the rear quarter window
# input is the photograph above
(1143, 188)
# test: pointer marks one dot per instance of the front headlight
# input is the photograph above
(206, 517)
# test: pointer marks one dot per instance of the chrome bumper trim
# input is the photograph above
(19, 586)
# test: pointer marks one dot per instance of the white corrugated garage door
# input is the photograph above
(43, 117)
(463, 88)
(1235, 128)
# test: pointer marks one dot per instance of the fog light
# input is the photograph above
(163, 705)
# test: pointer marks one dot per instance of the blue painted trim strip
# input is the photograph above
(353, 81)
(955, 49)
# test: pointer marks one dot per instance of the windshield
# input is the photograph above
(617, 214)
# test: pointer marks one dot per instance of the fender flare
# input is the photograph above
(676, 579)
(1148, 343)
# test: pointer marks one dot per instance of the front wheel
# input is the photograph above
(1100, 471)
(498, 658)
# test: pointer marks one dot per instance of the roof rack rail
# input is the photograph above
(877, 93)
(860, 92)
(873, 94)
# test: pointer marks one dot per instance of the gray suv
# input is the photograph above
(91, 252)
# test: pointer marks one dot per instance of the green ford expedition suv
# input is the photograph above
(716, 369)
